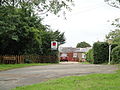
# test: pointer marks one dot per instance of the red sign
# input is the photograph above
(54, 43)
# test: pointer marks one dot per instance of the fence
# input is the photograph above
(5, 59)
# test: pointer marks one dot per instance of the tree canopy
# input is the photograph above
(22, 31)
(41, 6)
(115, 34)
(83, 45)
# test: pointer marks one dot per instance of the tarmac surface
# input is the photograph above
(35, 74)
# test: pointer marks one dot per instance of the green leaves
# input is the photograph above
(49, 36)
(116, 55)
(15, 37)
(89, 56)
(21, 32)
(115, 34)
(83, 45)
(42, 6)
(100, 52)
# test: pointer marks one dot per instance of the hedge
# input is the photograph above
(89, 56)
(100, 52)
(116, 55)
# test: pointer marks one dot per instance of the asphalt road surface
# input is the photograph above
(35, 74)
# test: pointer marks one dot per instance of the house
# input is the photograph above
(73, 54)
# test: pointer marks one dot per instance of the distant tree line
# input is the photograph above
(83, 45)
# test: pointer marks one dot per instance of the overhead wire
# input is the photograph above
(82, 11)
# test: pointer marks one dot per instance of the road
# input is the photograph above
(35, 74)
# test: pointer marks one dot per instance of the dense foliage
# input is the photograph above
(115, 34)
(83, 45)
(22, 32)
(116, 55)
(47, 37)
(89, 56)
(19, 31)
(100, 52)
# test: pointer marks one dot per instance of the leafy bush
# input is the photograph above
(89, 56)
(114, 45)
(116, 55)
(100, 52)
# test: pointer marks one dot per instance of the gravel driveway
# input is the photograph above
(35, 74)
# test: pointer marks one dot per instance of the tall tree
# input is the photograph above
(83, 45)
(47, 37)
(21, 32)
(115, 34)
(42, 6)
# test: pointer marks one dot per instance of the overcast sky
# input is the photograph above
(87, 22)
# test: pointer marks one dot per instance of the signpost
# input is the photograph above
(54, 45)
(54, 48)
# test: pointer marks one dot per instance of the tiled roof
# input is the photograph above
(71, 49)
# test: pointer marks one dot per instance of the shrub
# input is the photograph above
(114, 45)
(116, 55)
(89, 56)
(100, 52)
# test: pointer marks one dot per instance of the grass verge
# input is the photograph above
(87, 82)
(85, 63)
(13, 66)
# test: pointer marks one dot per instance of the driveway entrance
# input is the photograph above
(35, 74)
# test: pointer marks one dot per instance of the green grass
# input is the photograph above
(12, 66)
(88, 82)
(85, 63)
